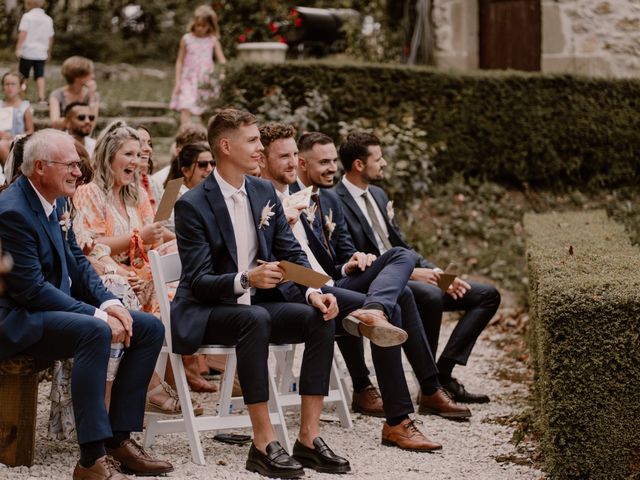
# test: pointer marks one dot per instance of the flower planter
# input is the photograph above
(266, 52)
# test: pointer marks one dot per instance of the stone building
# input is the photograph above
(590, 37)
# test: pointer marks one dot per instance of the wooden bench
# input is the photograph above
(18, 408)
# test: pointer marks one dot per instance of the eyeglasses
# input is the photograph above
(71, 166)
(82, 117)
(203, 164)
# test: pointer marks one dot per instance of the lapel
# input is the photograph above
(317, 247)
(218, 205)
(355, 209)
(394, 234)
(256, 211)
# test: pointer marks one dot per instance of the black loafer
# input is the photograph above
(321, 458)
(275, 464)
(460, 394)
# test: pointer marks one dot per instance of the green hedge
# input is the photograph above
(585, 342)
(524, 129)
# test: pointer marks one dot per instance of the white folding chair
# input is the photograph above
(166, 269)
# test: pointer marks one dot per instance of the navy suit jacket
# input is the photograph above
(33, 284)
(208, 253)
(340, 243)
(362, 233)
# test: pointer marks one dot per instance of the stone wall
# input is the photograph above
(592, 37)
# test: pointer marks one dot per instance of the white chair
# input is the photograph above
(166, 269)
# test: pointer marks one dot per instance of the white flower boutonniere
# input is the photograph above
(310, 212)
(329, 224)
(390, 212)
(65, 222)
(265, 216)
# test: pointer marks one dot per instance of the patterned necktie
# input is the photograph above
(56, 233)
(241, 235)
(375, 223)
(317, 224)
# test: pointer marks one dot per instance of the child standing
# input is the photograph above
(21, 116)
(35, 39)
(195, 62)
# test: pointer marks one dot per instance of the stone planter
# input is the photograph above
(267, 52)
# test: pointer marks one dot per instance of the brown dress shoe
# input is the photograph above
(407, 437)
(440, 403)
(134, 459)
(105, 468)
(368, 402)
(374, 325)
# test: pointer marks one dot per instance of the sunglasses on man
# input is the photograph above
(82, 117)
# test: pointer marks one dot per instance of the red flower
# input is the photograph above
(293, 12)
(281, 39)
(297, 22)
(242, 38)
(273, 27)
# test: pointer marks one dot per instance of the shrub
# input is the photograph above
(585, 341)
(523, 129)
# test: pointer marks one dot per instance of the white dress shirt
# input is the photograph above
(48, 209)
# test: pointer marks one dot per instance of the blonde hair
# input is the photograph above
(109, 142)
(206, 13)
(75, 67)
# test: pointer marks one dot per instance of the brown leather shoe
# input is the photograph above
(374, 325)
(407, 437)
(440, 403)
(368, 402)
(134, 459)
(105, 468)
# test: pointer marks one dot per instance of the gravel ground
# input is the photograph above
(478, 449)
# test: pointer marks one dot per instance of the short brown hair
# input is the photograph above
(190, 133)
(225, 120)
(309, 139)
(271, 132)
(75, 67)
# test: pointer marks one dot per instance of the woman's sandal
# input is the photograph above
(171, 403)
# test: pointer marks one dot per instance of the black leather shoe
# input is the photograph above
(460, 394)
(321, 458)
(275, 464)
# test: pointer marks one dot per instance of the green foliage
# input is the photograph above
(521, 129)
(585, 305)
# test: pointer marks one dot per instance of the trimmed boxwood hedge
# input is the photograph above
(523, 129)
(585, 341)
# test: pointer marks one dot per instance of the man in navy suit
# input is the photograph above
(231, 233)
(374, 229)
(55, 307)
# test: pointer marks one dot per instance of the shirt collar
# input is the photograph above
(226, 188)
(354, 190)
(46, 206)
(284, 194)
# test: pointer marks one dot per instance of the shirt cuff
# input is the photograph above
(309, 292)
(438, 270)
(101, 315)
(110, 303)
(343, 270)
(237, 286)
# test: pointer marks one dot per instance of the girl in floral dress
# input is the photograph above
(195, 63)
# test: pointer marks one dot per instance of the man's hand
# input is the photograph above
(266, 275)
(425, 275)
(326, 303)
(123, 316)
(359, 261)
(118, 333)
(293, 213)
(458, 288)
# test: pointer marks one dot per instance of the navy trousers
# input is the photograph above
(87, 340)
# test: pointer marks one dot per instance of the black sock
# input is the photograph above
(360, 383)
(117, 439)
(430, 385)
(90, 452)
(392, 422)
(445, 367)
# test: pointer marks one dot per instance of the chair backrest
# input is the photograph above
(164, 269)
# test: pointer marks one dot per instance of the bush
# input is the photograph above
(585, 341)
(522, 129)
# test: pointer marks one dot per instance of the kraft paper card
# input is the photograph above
(6, 119)
(302, 275)
(169, 199)
(303, 197)
(446, 279)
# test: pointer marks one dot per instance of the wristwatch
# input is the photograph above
(244, 279)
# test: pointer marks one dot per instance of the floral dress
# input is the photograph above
(197, 66)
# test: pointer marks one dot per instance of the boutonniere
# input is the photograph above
(265, 216)
(310, 212)
(65, 221)
(390, 212)
(329, 224)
